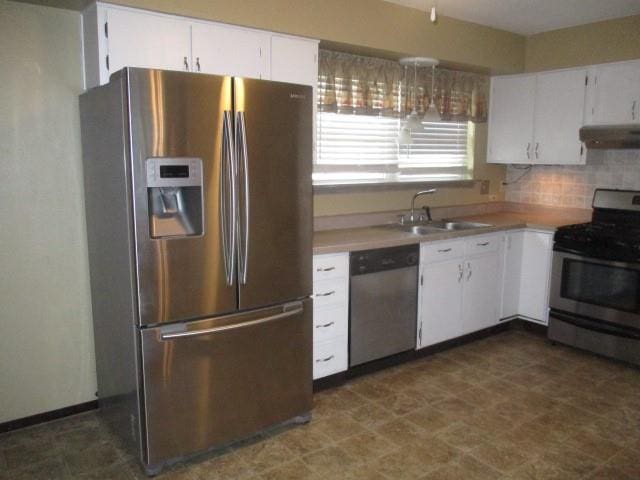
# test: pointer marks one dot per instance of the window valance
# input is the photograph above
(356, 84)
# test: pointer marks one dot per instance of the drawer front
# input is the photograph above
(433, 252)
(330, 266)
(329, 357)
(330, 322)
(484, 244)
(330, 292)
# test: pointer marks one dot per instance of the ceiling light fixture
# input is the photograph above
(431, 114)
(414, 122)
(433, 16)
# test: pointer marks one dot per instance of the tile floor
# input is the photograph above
(509, 406)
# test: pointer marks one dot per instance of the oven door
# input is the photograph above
(598, 289)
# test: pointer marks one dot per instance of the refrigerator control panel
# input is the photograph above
(174, 172)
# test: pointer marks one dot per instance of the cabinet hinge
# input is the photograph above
(315, 58)
(421, 279)
(106, 29)
(107, 61)
(586, 80)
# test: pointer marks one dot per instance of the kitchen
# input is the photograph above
(48, 315)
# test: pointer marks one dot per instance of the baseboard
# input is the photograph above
(47, 416)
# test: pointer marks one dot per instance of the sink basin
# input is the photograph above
(439, 226)
(445, 225)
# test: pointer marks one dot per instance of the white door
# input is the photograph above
(225, 50)
(440, 302)
(511, 119)
(294, 60)
(617, 94)
(559, 114)
(511, 275)
(147, 40)
(481, 292)
(535, 276)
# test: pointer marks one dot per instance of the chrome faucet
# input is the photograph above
(412, 214)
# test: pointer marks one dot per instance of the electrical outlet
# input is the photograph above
(484, 187)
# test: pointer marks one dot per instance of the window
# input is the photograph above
(356, 149)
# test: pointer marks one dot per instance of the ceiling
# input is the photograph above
(528, 17)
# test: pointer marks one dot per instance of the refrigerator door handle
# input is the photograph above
(243, 179)
(228, 198)
(207, 331)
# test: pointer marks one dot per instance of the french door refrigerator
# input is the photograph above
(198, 210)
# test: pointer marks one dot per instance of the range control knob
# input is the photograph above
(412, 259)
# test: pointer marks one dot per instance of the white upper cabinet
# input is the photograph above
(616, 94)
(146, 40)
(535, 119)
(559, 114)
(225, 50)
(115, 37)
(511, 119)
(294, 60)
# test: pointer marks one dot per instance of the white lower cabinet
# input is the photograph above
(481, 292)
(459, 287)
(527, 274)
(330, 313)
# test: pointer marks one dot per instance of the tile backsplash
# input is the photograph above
(573, 186)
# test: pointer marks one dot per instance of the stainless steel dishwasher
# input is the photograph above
(383, 304)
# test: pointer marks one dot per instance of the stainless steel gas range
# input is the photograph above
(595, 285)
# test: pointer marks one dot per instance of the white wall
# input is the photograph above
(46, 339)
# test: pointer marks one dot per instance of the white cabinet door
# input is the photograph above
(440, 302)
(559, 114)
(147, 40)
(481, 292)
(617, 94)
(294, 60)
(224, 50)
(511, 119)
(511, 274)
(535, 275)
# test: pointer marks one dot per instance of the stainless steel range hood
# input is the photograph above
(611, 136)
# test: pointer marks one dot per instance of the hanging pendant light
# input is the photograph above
(404, 136)
(414, 122)
(432, 114)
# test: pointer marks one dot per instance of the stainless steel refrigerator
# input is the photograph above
(198, 210)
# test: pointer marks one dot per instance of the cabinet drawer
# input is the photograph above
(330, 322)
(441, 251)
(329, 357)
(330, 266)
(330, 292)
(476, 245)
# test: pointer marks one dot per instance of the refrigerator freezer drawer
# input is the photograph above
(210, 382)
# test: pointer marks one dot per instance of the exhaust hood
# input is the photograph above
(611, 136)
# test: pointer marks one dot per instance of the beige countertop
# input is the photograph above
(364, 238)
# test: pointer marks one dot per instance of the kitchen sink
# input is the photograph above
(440, 226)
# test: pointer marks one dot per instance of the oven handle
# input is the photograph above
(595, 326)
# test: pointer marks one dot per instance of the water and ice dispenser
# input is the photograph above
(174, 188)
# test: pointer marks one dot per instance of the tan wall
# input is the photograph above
(46, 339)
(602, 42)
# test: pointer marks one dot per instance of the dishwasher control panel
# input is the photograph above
(379, 260)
